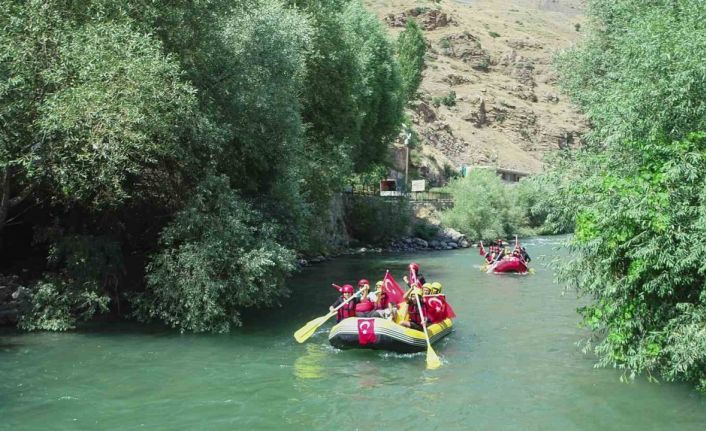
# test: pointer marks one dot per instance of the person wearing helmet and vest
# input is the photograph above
(382, 307)
(364, 305)
(347, 310)
(436, 288)
(413, 317)
(426, 289)
(414, 267)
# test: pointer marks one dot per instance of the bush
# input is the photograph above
(218, 256)
(425, 231)
(85, 268)
(484, 207)
(448, 100)
(493, 34)
(639, 255)
(56, 304)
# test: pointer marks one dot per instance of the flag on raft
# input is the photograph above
(366, 331)
(413, 280)
(393, 290)
(437, 308)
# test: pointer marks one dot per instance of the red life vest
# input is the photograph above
(382, 302)
(364, 306)
(414, 315)
(348, 310)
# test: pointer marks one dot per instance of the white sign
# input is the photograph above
(419, 185)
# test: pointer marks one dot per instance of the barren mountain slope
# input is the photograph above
(496, 56)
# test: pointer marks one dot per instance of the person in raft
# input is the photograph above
(364, 305)
(413, 267)
(377, 304)
(436, 288)
(426, 289)
(413, 317)
(347, 310)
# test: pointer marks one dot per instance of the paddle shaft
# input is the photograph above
(424, 321)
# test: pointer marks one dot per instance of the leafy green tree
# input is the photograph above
(484, 207)
(411, 48)
(218, 256)
(97, 113)
(639, 258)
(636, 194)
(639, 72)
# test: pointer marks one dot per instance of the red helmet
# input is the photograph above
(414, 267)
(363, 282)
(347, 288)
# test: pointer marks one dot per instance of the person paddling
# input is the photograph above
(413, 318)
(414, 268)
(348, 310)
(365, 305)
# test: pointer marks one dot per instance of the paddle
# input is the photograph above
(433, 361)
(308, 330)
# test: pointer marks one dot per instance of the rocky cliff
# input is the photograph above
(489, 95)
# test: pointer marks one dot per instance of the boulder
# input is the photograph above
(419, 242)
(451, 235)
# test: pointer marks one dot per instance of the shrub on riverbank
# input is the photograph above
(486, 208)
(218, 256)
(637, 191)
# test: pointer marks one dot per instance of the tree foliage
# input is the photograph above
(113, 113)
(640, 74)
(637, 194)
(484, 207)
(218, 256)
(411, 48)
(639, 256)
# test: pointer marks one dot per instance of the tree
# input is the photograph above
(411, 48)
(218, 256)
(636, 193)
(639, 73)
(483, 206)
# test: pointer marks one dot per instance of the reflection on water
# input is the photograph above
(309, 364)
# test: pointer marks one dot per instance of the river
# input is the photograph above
(510, 364)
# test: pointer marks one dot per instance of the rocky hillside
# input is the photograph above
(489, 95)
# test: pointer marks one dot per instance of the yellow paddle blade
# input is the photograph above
(308, 330)
(433, 361)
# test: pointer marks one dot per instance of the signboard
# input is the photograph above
(418, 185)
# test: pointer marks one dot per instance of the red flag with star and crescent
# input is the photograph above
(437, 308)
(366, 331)
(392, 289)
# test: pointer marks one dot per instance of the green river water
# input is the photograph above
(510, 364)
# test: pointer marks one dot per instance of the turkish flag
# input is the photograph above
(437, 308)
(366, 331)
(392, 289)
(413, 280)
